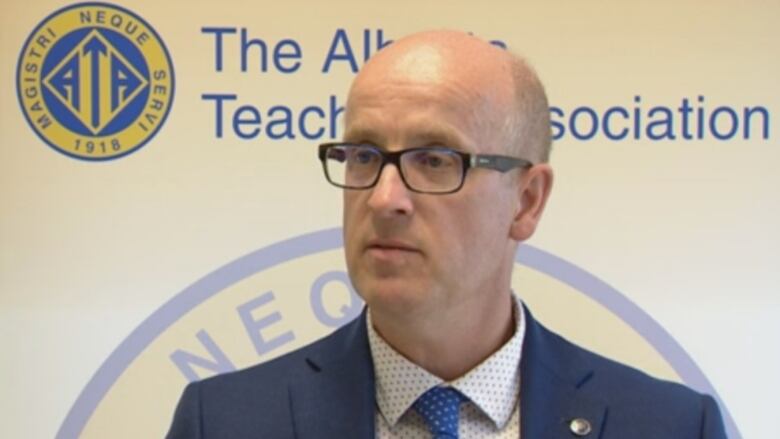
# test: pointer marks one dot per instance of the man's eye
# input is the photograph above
(363, 157)
(434, 160)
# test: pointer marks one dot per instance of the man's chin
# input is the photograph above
(391, 294)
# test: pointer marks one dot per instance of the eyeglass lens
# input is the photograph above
(424, 169)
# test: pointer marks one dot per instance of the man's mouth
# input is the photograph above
(389, 249)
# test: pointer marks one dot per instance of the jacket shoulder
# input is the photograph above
(663, 408)
(273, 376)
(257, 398)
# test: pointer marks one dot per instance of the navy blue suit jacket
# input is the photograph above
(326, 390)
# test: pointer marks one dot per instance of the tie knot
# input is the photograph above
(439, 408)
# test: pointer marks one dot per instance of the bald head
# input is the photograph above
(501, 92)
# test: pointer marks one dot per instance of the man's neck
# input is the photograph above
(452, 342)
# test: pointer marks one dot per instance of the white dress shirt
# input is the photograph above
(493, 389)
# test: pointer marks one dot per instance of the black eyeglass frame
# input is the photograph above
(501, 163)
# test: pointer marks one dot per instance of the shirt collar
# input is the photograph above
(493, 385)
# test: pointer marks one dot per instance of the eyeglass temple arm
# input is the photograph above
(500, 163)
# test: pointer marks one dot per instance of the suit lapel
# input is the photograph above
(550, 387)
(334, 394)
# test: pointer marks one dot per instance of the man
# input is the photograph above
(444, 169)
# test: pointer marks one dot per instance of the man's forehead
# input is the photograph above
(433, 74)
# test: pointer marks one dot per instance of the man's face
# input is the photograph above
(415, 253)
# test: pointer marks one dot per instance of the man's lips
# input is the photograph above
(390, 245)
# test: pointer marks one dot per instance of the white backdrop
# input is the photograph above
(684, 229)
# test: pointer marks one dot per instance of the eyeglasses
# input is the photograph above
(430, 170)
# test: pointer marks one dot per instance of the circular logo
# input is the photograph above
(95, 81)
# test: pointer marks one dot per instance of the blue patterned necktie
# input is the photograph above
(439, 408)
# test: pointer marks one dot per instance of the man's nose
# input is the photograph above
(390, 196)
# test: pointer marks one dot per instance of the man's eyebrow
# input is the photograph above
(361, 134)
(441, 136)
(428, 135)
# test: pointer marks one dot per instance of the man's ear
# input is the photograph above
(534, 187)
